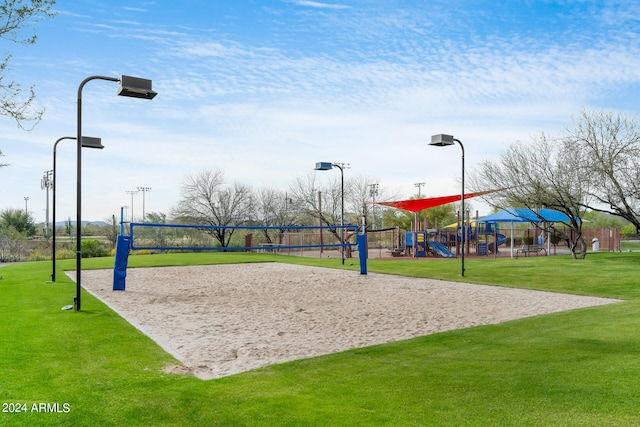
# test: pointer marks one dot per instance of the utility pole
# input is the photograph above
(45, 184)
(144, 191)
(373, 192)
(132, 192)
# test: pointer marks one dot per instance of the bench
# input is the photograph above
(529, 249)
(397, 252)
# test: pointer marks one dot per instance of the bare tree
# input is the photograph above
(206, 199)
(362, 191)
(327, 207)
(610, 144)
(15, 16)
(543, 173)
(275, 208)
(323, 201)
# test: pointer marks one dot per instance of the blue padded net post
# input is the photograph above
(120, 267)
(362, 252)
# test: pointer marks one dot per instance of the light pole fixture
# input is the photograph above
(325, 166)
(144, 191)
(134, 87)
(442, 140)
(419, 185)
(88, 142)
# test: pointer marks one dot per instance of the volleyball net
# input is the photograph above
(287, 240)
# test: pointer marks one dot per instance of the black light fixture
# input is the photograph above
(135, 87)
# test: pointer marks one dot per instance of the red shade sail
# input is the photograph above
(416, 205)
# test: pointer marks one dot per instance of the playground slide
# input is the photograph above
(441, 249)
(502, 239)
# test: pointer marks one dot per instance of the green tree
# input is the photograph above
(18, 220)
(111, 231)
(92, 248)
(16, 18)
(596, 219)
(68, 227)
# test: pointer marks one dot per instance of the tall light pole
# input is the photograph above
(45, 184)
(132, 193)
(88, 142)
(320, 219)
(442, 140)
(419, 185)
(373, 192)
(144, 191)
(127, 86)
(26, 205)
(325, 166)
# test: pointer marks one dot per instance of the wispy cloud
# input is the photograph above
(319, 5)
(134, 9)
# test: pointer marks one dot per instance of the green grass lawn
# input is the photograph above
(576, 368)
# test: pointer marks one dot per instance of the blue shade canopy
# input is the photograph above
(526, 215)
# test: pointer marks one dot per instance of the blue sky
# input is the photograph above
(264, 89)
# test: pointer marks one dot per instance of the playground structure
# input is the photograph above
(483, 234)
(422, 241)
(524, 240)
(483, 238)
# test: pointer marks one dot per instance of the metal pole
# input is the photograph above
(122, 220)
(320, 219)
(132, 192)
(46, 184)
(342, 207)
(144, 191)
(53, 213)
(77, 300)
(464, 227)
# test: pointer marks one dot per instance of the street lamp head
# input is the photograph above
(323, 166)
(135, 87)
(442, 140)
(91, 142)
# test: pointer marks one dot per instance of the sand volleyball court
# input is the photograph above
(221, 320)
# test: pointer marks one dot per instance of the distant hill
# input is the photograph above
(84, 223)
